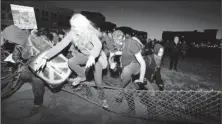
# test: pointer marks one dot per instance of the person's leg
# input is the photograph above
(125, 80)
(159, 80)
(38, 89)
(75, 64)
(176, 59)
(171, 62)
(99, 83)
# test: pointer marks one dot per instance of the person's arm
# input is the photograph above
(140, 59)
(135, 48)
(17, 53)
(59, 47)
(97, 47)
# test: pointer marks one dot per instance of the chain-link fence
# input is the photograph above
(181, 106)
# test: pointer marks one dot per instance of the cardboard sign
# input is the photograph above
(23, 16)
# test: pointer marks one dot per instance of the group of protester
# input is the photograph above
(99, 50)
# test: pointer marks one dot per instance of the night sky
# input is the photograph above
(154, 17)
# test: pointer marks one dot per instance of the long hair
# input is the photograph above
(86, 30)
(85, 27)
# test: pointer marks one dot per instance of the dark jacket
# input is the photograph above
(174, 49)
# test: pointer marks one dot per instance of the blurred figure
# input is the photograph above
(55, 39)
(110, 34)
(108, 43)
(174, 49)
(44, 34)
(2, 40)
(147, 48)
(110, 48)
(184, 48)
(153, 63)
(128, 36)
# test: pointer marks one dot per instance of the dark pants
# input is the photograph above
(38, 86)
(38, 90)
(159, 80)
(174, 61)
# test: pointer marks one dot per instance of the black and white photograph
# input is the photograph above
(111, 62)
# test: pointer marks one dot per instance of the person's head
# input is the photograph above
(128, 36)
(104, 33)
(82, 29)
(43, 32)
(176, 39)
(110, 35)
(158, 50)
(118, 36)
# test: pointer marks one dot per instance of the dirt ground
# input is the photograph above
(193, 74)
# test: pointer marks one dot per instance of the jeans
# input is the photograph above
(76, 62)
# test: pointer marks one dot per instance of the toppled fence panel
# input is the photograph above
(181, 106)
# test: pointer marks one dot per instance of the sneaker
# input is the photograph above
(76, 81)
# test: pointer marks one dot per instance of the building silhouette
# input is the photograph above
(208, 35)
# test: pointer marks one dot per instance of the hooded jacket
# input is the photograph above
(152, 64)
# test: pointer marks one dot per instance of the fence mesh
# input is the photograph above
(191, 106)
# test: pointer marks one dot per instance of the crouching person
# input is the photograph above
(85, 39)
(132, 64)
(153, 67)
(23, 53)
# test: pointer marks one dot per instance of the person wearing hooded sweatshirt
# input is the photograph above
(153, 67)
